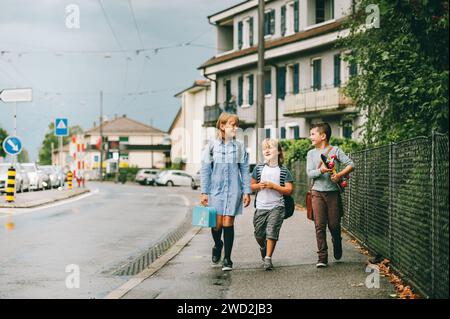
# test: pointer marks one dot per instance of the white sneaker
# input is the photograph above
(321, 265)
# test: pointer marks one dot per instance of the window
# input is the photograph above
(240, 90)
(268, 82)
(347, 129)
(296, 16)
(324, 10)
(267, 132)
(294, 132)
(269, 22)
(337, 70)
(281, 82)
(123, 139)
(317, 74)
(353, 69)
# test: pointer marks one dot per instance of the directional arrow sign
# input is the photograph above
(16, 95)
(61, 127)
(12, 145)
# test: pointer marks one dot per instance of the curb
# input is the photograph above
(42, 202)
(154, 267)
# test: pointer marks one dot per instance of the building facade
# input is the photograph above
(304, 71)
(187, 132)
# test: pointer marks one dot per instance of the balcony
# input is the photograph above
(329, 100)
(246, 114)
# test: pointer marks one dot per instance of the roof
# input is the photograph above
(196, 84)
(299, 36)
(233, 10)
(124, 125)
(175, 119)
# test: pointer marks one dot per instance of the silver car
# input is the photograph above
(174, 178)
(38, 179)
(22, 183)
(146, 176)
(52, 174)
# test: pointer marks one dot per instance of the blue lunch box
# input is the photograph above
(204, 216)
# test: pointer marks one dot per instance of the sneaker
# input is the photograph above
(263, 252)
(227, 264)
(321, 264)
(216, 253)
(268, 263)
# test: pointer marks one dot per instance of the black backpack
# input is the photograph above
(289, 204)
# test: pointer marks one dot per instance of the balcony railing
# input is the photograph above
(329, 99)
(246, 114)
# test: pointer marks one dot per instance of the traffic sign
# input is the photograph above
(61, 127)
(12, 145)
(16, 95)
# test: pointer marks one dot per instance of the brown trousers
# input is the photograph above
(326, 213)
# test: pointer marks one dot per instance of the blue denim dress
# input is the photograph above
(228, 178)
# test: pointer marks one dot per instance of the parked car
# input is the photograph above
(61, 175)
(38, 179)
(22, 182)
(146, 176)
(54, 176)
(174, 178)
(196, 181)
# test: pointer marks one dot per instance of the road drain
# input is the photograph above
(144, 260)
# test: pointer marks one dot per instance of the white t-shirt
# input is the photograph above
(269, 198)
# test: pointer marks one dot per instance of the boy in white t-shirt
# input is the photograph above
(271, 180)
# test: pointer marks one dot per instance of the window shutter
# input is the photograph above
(250, 31)
(281, 82)
(296, 132)
(283, 20)
(296, 16)
(267, 132)
(240, 30)
(240, 90)
(317, 74)
(283, 133)
(251, 88)
(337, 70)
(272, 22)
(268, 82)
(266, 23)
(296, 83)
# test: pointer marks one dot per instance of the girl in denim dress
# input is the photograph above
(225, 184)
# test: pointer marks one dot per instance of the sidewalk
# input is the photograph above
(190, 274)
(38, 198)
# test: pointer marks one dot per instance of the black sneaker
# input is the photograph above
(216, 253)
(337, 250)
(227, 264)
(263, 252)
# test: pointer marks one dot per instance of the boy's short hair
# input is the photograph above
(323, 128)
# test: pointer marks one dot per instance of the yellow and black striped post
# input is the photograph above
(69, 180)
(10, 186)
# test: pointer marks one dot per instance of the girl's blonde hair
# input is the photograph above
(223, 119)
(271, 142)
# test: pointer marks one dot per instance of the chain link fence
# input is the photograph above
(396, 205)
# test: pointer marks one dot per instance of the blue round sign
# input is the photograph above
(12, 145)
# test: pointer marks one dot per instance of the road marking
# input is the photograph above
(153, 267)
(21, 211)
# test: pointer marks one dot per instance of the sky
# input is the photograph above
(67, 67)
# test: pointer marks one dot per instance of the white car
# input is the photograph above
(146, 176)
(174, 178)
(38, 179)
(22, 182)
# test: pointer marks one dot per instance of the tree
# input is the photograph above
(45, 153)
(402, 86)
(3, 135)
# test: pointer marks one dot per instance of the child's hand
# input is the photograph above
(324, 169)
(335, 178)
(204, 199)
(246, 198)
(269, 185)
(261, 185)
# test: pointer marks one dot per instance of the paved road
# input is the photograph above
(98, 233)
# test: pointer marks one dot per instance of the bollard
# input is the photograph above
(10, 186)
(69, 180)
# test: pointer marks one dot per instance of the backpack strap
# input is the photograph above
(283, 175)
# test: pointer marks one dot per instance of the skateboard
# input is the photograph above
(330, 163)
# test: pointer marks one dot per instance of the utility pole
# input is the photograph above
(101, 137)
(260, 81)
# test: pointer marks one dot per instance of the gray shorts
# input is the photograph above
(267, 222)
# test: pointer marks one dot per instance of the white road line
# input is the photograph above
(21, 211)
